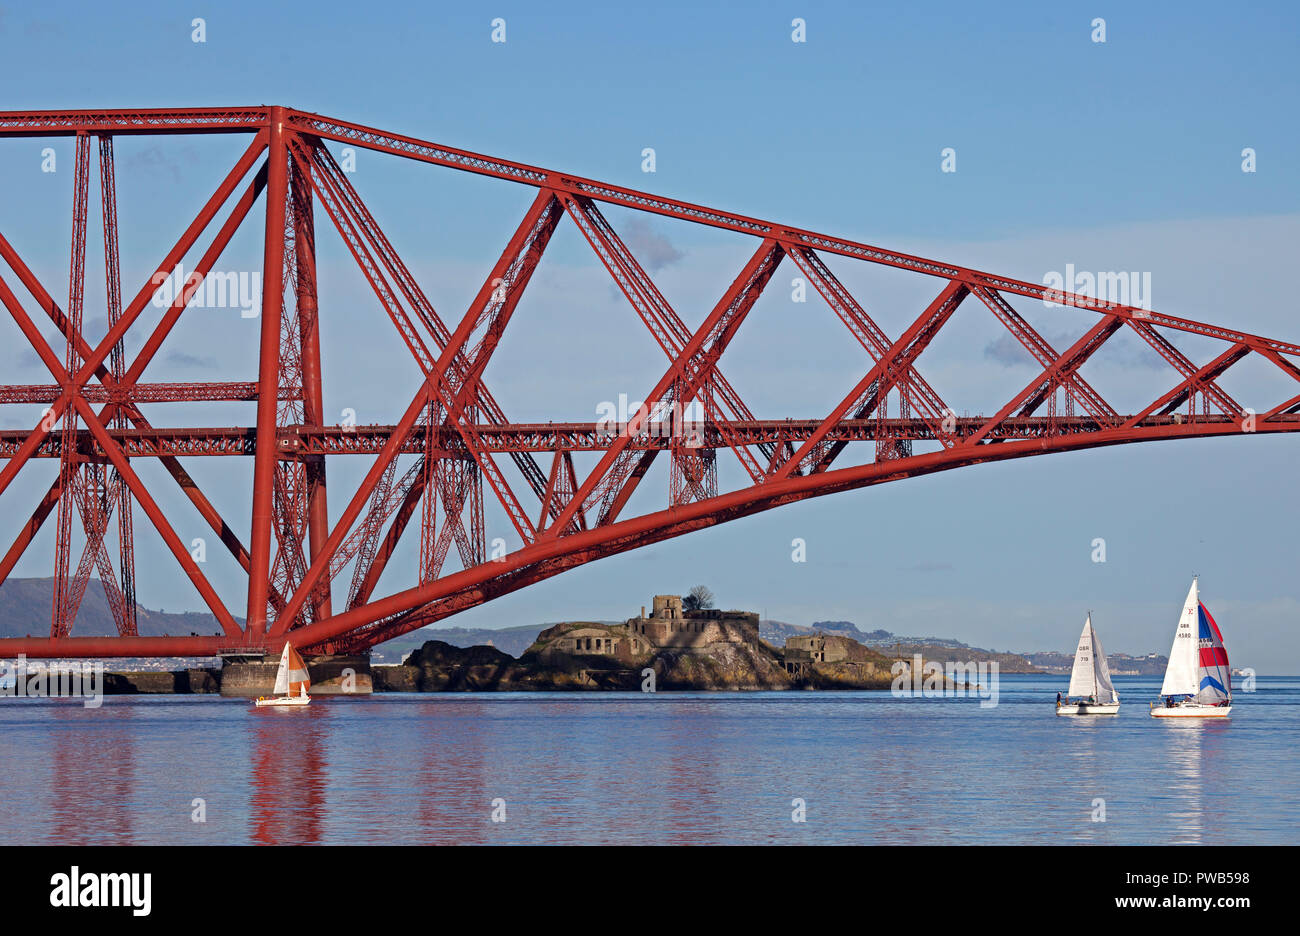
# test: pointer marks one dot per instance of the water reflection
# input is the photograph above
(678, 774)
(645, 770)
(93, 787)
(1084, 769)
(453, 802)
(289, 774)
(1196, 765)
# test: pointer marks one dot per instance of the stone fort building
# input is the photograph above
(668, 625)
(805, 650)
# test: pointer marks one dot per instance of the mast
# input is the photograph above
(1092, 642)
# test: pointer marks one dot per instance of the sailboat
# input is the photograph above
(1198, 680)
(291, 681)
(1090, 692)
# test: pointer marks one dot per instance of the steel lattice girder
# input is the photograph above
(453, 423)
(546, 438)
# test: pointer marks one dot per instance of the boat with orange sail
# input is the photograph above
(291, 681)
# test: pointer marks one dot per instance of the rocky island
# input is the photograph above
(680, 648)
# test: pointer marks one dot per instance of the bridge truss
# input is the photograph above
(315, 582)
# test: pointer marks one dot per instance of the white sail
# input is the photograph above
(1083, 678)
(1105, 690)
(1182, 677)
(282, 674)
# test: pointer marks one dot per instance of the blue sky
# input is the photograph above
(1117, 156)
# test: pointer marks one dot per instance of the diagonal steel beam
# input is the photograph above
(369, 244)
(1046, 355)
(669, 331)
(862, 399)
(93, 359)
(1181, 363)
(873, 340)
(1056, 373)
(686, 374)
(1282, 362)
(115, 387)
(1168, 402)
(331, 198)
(436, 386)
(155, 515)
(1072, 360)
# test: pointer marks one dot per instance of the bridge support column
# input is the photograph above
(268, 378)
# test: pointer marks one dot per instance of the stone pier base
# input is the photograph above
(339, 675)
(330, 675)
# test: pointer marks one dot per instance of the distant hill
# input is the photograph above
(938, 649)
(511, 640)
(776, 632)
(25, 611)
(1119, 664)
(838, 627)
(944, 652)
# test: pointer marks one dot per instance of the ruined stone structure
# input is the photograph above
(669, 626)
(579, 638)
(805, 650)
(824, 648)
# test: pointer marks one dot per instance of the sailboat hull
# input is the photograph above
(284, 700)
(1191, 710)
(1084, 708)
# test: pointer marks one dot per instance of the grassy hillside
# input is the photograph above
(25, 611)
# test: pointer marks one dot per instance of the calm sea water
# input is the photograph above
(666, 768)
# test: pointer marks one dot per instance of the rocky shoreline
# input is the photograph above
(440, 667)
(164, 682)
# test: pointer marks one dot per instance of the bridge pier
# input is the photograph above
(331, 675)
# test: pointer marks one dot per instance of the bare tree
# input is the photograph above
(698, 598)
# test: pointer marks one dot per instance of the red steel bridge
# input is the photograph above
(314, 582)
